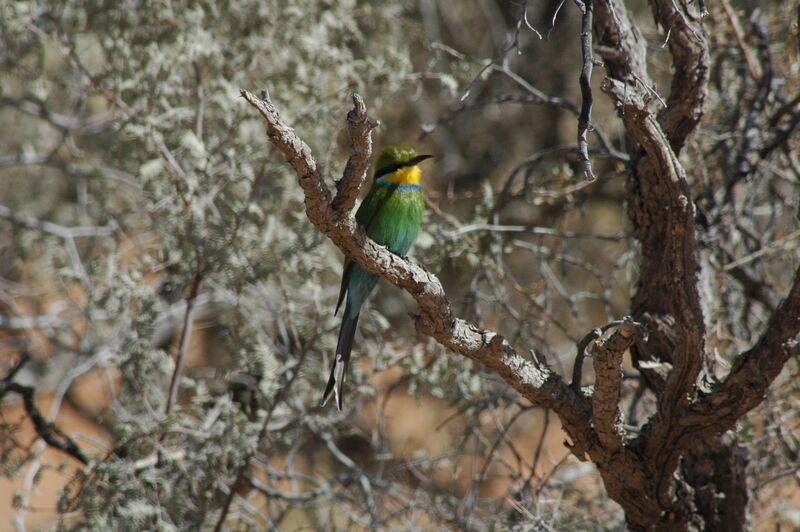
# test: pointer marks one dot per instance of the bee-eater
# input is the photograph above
(391, 215)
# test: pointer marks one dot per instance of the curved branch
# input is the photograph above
(47, 431)
(534, 381)
(689, 89)
(753, 371)
(606, 397)
(359, 128)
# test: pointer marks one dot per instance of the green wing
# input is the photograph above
(366, 215)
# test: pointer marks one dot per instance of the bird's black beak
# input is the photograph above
(418, 159)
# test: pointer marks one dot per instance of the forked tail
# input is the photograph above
(343, 347)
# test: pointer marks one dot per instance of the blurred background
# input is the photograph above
(144, 216)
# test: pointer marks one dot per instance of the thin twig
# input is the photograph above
(585, 118)
(241, 474)
(738, 33)
(546, 231)
(555, 16)
(536, 99)
(772, 247)
(46, 430)
(577, 368)
(539, 446)
(56, 229)
(748, 155)
(186, 333)
(201, 101)
(34, 106)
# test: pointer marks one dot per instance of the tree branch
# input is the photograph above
(753, 371)
(65, 232)
(659, 204)
(607, 358)
(358, 127)
(689, 49)
(34, 106)
(585, 118)
(183, 344)
(47, 431)
(535, 382)
(620, 43)
(661, 208)
(591, 336)
(746, 158)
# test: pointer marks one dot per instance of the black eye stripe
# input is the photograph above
(389, 168)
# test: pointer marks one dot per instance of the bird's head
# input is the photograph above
(398, 165)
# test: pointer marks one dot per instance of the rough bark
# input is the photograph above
(667, 298)
(716, 472)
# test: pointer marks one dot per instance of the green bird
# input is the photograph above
(391, 215)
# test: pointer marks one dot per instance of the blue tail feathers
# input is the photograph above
(359, 286)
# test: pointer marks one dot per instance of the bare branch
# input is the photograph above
(752, 372)
(585, 118)
(577, 368)
(201, 101)
(669, 249)
(359, 128)
(620, 43)
(689, 89)
(80, 126)
(56, 229)
(69, 234)
(183, 345)
(591, 336)
(553, 19)
(241, 474)
(773, 247)
(607, 358)
(663, 215)
(535, 382)
(51, 159)
(532, 98)
(297, 152)
(747, 156)
(47, 431)
(545, 231)
(752, 65)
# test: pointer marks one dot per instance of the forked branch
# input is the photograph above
(534, 381)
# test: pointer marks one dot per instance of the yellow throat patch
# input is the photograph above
(409, 175)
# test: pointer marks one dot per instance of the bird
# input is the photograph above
(391, 215)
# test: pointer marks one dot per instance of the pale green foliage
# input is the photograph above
(208, 197)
